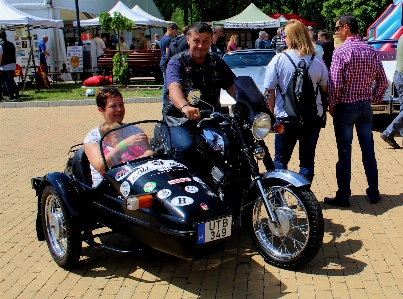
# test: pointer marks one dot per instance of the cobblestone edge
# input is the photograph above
(73, 102)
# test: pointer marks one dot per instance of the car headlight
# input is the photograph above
(261, 125)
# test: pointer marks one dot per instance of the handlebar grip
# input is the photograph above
(205, 113)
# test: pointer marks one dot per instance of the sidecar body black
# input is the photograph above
(154, 200)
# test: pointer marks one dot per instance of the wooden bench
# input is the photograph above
(141, 64)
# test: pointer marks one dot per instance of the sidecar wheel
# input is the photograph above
(300, 235)
(62, 236)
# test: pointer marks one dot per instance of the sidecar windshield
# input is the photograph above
(125, 143)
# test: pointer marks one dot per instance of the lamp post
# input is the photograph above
(80, 41)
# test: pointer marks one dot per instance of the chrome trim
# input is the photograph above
(291, 177)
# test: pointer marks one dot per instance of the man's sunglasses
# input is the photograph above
(336, 28)
(105, 90)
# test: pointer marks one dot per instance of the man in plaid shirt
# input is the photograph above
(356, 79)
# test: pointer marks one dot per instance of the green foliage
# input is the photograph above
(120, 66)
(119, 23)
(177, 17)
(365, 11)
(105, 20)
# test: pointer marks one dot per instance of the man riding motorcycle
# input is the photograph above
(195, 68)
(192, 69)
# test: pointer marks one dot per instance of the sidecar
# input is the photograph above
(146, 196)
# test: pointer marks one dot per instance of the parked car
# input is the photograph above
(251, 63)
(387, 54)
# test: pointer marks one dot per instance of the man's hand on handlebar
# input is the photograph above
(191, 113)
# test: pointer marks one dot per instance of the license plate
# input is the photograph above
(214, 230)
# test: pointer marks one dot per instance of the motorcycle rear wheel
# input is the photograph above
(62, 236)
(300, 235)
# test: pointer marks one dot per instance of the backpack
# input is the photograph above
(300, 97)
(178, 44)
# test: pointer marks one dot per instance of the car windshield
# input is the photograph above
(248, 58)
(122, 144)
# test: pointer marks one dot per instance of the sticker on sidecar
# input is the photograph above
(196, 179)
(177, 181)
(125, 189)
(121, 174)
(158, 165)
(214, 230)
(191, 189)
(150, 186)
(164, 193)
(181, 201)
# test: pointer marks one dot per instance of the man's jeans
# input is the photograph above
(9, 84)
(284, 144)
(186, 152)
(345, 116)
(397, 123)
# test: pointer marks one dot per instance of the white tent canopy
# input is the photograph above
(10, 17)
(251, 18)
(124, 10)
(154, 21)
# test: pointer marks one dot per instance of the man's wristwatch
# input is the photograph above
(183, 105)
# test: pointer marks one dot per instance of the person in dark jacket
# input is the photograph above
(7, 67)
(263, 41)
(328, 47)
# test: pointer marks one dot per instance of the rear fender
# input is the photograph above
(279, 177)
(69, 194)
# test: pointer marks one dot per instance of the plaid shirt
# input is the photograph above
(356, 74)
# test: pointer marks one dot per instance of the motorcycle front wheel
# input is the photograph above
(299, 237)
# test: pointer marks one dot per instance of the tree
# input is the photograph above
(118, 23)
(364, 10)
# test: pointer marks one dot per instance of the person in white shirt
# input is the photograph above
(123, 45)
(99, 45)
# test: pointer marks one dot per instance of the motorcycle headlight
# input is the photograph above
(261, 126)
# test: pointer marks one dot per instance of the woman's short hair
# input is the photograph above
(103, 94)
(298, 38)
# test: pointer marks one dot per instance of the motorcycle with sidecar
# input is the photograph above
(159, 202)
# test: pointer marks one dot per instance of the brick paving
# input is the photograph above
(361, 255)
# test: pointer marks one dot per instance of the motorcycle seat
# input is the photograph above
(81, 167)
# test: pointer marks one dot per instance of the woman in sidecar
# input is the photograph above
(111, 105)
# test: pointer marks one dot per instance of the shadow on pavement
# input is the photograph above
(235, 271)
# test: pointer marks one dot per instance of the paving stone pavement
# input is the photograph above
(361, 255)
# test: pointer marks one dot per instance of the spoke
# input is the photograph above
(297, 242)
(302, 230)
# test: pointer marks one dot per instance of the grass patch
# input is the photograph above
(74, 91)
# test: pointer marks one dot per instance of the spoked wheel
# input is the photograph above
(298, 238)
(62, 237)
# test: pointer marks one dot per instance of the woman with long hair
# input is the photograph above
(279, 74)
(233, 41)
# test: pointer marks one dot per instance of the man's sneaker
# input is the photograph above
(390, 140)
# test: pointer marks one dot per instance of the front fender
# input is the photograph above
(279, 177)
(69, 194)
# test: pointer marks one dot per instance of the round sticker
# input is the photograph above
(125, 188)
(180, 201)
(164, 193)
(148, 187)
(74, 61)
(191, 189)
